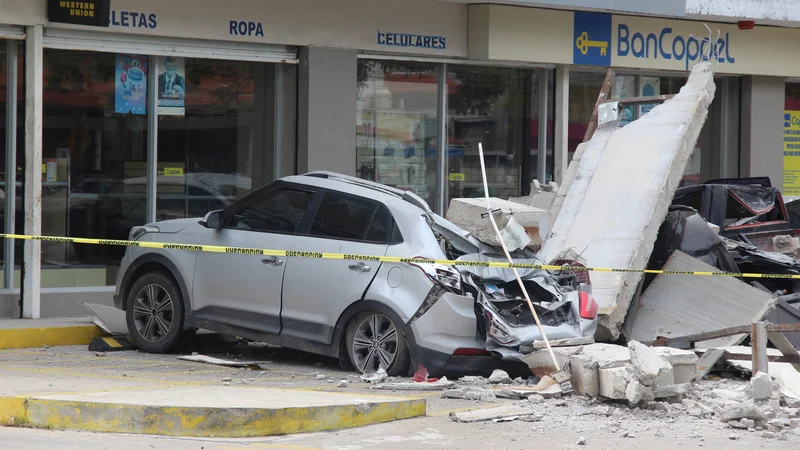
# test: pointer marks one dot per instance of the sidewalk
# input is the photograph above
(71, 388)
(30, 333)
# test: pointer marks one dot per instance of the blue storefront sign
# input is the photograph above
(592, 39)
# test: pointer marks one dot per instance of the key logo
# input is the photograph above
(591, 39)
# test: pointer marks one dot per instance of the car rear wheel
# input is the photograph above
(155, 314)
(373, 341)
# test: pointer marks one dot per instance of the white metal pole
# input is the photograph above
(11, 162)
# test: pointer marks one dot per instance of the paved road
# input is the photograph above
(425, 433)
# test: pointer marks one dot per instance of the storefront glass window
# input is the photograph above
(214, 131)
(396, 137)
(94, 152)
(584, 87)
(492, 106)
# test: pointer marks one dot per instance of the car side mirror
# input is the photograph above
(212, 220)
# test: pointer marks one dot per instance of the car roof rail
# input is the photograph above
(408, 196)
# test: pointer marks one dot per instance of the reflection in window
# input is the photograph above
(277, 212)
(343, 217)
(396, 137)
(497, 107)
(212, 134)
(92, 154)
(11, 174)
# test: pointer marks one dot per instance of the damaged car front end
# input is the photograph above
(504, 326)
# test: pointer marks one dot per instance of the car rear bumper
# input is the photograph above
(440, 364)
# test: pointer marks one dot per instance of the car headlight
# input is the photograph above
(138, 232)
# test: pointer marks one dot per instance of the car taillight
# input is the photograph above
(471, 352)
(445, 275)
(582, 275)
(588, 305)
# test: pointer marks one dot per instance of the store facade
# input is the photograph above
(176, 108)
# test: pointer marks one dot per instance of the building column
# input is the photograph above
(326, 128)
(561, 143)
(31, 284)
(763, 100)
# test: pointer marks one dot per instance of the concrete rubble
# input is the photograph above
(621, 234)
(518, 223)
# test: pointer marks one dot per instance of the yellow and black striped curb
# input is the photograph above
(389, 259)
(112, 344)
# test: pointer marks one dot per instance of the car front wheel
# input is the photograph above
(373, 341)
(155, 314)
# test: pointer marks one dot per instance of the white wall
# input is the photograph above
(342, 23)
(764, 11)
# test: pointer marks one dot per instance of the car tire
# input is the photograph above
(374, 340)
(156, 327)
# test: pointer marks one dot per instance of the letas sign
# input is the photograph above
(93, 13)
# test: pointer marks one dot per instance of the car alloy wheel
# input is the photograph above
(153, 312)
(375, 344)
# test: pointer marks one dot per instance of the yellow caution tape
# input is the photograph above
(390, 259)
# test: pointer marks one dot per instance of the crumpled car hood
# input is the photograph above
(504, 318)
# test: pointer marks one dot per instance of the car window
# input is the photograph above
(278, 212)
(382, 227)
(343, 217)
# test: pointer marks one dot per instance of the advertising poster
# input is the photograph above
(171, 86)
(625, 88)
(130, 86)
(650, 86)
(791, 153)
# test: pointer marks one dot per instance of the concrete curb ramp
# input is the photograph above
(281, 411)
(23, 333)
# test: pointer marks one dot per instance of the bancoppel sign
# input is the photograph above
(93, 13)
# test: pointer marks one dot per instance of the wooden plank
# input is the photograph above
(758, 342)
(781, 343)
(706, 335)
(604, 93)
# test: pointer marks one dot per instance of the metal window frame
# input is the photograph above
(10, 206)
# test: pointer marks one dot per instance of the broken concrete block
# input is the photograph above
(621, 234)
(743, 424)
(636, 393)
(761, 387)
(469, 214)
(499, 377)
(786, 244)
(585, 365)
(677, 356)
(672, 390)
(742, 410)
(647, 364)
(614, 382)
(684, 373)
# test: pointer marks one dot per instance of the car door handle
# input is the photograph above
(360, 267)
(272, 261)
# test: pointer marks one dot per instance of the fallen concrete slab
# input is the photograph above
(483, 415)
(611, 213)
(680, 305)
(207, 411)
(109, 318)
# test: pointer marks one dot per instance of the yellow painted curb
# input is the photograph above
(203, 421)
(13, 411)
(50, 336)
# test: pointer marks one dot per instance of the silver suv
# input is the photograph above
(367, 313)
